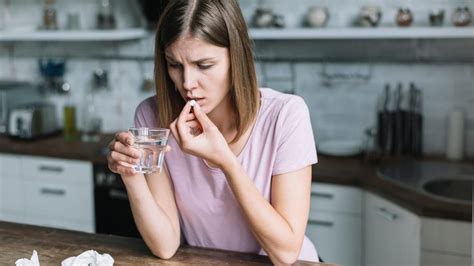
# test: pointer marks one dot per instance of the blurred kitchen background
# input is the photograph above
(357, 64)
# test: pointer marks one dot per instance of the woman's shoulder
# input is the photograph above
(148, 103)
(277, 101)
(145, 114)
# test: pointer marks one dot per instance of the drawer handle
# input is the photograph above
(322, 195)
(389, 216)
(117, 194)
(49, 168)
(321, 223)
(53, 191)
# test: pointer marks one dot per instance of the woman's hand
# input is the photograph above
(198, 136)
(122, 155)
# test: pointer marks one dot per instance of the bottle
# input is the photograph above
(49, 16)
(92, 123)
(70, 130)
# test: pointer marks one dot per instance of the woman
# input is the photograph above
(238, 174)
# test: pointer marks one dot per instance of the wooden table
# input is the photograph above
(55, 245)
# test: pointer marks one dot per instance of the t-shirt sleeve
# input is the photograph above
(295, 146)
(145, 114)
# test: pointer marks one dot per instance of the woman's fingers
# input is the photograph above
(124, 149)
(190, 117)
(120, 157)
(174, 131)
(193, 124)
(122, 154)
(122, 169)
(182, 128)
(124, 137)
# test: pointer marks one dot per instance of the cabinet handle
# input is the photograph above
(117, 194)
(322, 195)
(49, 168)
(390, 216)
(53, 191)
(321, 223)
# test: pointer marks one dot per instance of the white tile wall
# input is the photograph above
(341, 96)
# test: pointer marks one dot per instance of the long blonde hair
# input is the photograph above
(218, 22)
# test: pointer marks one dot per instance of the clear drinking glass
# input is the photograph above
(151, 142)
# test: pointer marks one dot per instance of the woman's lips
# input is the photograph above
(198, 100)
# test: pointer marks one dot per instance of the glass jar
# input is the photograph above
(49, 16)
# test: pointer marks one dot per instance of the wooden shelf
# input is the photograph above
(75, 36)
(363, 33)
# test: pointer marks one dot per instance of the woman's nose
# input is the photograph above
(189, 79)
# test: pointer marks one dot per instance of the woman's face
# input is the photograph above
(200, 71)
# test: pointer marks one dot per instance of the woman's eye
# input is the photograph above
(204, 66)
(173, 65)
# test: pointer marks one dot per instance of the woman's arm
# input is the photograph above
(280, 226)
(152, 200)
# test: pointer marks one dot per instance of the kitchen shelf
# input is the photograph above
(363, 33)
(77, 36)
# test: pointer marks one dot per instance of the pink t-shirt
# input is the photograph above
(281, 141)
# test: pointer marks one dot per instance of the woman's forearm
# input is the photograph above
(154, 224)
(273, 232)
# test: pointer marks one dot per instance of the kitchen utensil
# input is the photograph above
(317, 16)
(50, 21)
(369, 16)
(265, 18)
(417, 124)
(384, 122)
(397, 118)
(12, 94)
(436, 17)
(340, 147)
(404, 17)
(462, 17)
(105, 16)
(73, 21)
(33, 120)
(100, 79)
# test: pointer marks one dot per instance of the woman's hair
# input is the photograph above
(220, 23)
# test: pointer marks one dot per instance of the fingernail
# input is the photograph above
(193, 103)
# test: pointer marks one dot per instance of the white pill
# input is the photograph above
(192, 102)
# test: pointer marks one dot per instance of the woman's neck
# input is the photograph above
(224, 117)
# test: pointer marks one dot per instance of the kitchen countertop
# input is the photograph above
(350, 171)
(55, 245)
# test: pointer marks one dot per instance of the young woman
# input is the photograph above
(238, 173)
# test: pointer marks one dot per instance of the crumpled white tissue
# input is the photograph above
(29, 262)
(90, 257)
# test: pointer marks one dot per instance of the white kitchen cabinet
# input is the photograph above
(445, 242)
(392, 234)
(11, 200)
(48, 192)
(335, 223)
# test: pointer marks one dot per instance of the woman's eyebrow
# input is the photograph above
(169, 58)
(203, 60)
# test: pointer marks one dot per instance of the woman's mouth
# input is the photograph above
(198, 100)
